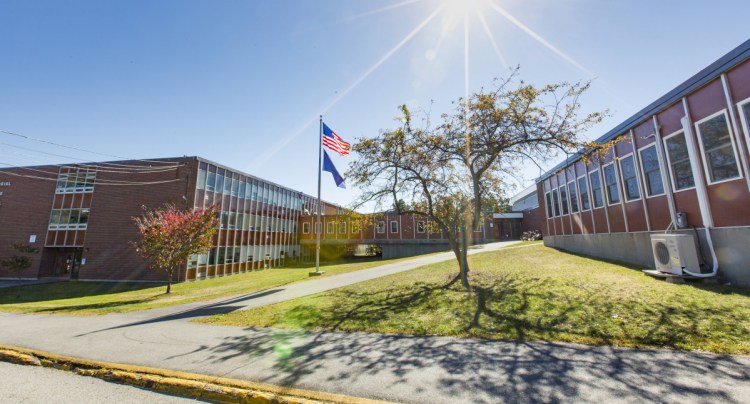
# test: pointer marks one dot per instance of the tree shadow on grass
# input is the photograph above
(417, 368)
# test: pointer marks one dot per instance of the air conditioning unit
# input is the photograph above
(673, 252)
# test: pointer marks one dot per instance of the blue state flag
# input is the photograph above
(328, 166)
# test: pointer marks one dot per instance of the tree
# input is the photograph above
(20, 261)
(169, 236)
(449, 173)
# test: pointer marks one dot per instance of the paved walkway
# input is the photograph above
(388, 367)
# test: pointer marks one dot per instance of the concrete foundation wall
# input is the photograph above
(732, 247)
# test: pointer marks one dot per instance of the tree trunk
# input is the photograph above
(463, 262)
(169, 281)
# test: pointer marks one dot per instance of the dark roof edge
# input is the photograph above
(712, 71)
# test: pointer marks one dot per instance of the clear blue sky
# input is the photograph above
(243, 82)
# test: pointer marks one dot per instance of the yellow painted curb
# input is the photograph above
(216, 389)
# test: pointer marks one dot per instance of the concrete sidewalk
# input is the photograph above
(386, 367)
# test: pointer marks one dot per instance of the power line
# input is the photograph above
(127, 167)
(93, 166)
(79, 149)
(96, 181)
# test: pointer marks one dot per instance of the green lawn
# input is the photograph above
(92, 298)
(531, 293)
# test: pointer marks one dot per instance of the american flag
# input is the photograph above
(334, 142)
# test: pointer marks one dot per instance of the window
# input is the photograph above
(564, 199)
(219, 182)
(583, 191)
(68, 219)
(596, 189)
(211, 182)
(548, 198)
(556, 202)
(227, 185)
(242, 193)
(330, 228)
(420, 226)
(381, 227)
(679, 161)
(75, 182)
(629, 178)
(573, 196)
(718, 148)
(342, 228)
(355, 227)
(651, 171)
(610, 184)
(394, 226)
(201, 184)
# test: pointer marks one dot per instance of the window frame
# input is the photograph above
(424, 226)
(380, 227)
(564, 201)
(548, 204)
(601, 188)
(605, 185)
(342, 228)
(588, 194)
(305, 227)
(577, 198)
(643, 171)
(622, 177)
(391, 227)
(330, 228)
(743, 120)
(669, 161)
(706, 170)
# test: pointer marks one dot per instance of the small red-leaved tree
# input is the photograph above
(169, 236)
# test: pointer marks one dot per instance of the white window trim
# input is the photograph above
(588, 192)
(622, 178)
(578, 197)
(391, 227)
(643, 172)
(562, 212)
(669, 161)
(605, 193)
(601, 187)
(342, 224)
(379, 227)
(551, 211)
(306, 228)
(330, 228)
(743, 120)
(552, 197)
(703, 151)
(424, 226)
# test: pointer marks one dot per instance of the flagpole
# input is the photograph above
(318, 225)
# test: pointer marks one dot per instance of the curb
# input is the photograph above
(214, 389)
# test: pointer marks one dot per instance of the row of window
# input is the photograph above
(215, 182)
(68, 219)
(241, 254)
(380, 227)
(243, 221)
(75, 182)
(716, 144)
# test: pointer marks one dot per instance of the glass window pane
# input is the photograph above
(584, 193)
(556, 202)
(718, 150)
(549, 204)
(682, 172)
(652, 171)
(211, 182)
(596, 190)
(564, 199)
(573, 197)
(629, 176)
(201, 179)
(610, 182)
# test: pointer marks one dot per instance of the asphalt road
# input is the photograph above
(32, 384)
(387, 367)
